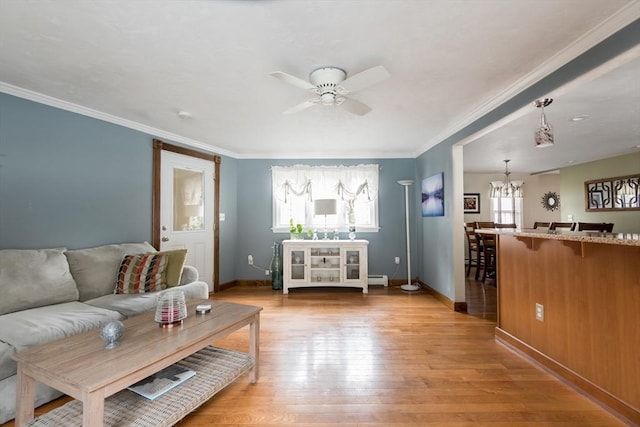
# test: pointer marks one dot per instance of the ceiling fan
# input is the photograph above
(330, 86)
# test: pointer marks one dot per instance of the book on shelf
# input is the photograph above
(162, 381)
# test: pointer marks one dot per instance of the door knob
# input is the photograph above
(164, 228)
(165, 239)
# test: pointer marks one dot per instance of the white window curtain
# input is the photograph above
(354, 187)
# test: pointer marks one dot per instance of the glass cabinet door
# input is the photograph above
(352, 264)
(298, 261)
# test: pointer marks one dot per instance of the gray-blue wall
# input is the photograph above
(228, 227)
(69, 180)
(254, 215)
(74, 181)
(437, 262)
(435, 234)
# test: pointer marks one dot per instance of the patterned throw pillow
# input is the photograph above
(139, 274)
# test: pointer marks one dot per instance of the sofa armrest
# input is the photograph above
(189, 274)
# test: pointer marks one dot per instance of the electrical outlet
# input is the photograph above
(540, 312)
(250, 259)
(397, 260)
(267, 272)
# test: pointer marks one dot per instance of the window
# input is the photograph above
(507, 210)
(355, 189)
(506, 201)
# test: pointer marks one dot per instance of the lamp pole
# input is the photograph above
(408, 286)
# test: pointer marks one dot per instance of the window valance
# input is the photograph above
(354, 187)
(344, 182)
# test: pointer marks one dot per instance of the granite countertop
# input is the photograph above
(629, 239)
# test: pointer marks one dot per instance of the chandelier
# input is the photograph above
(543, 135)
(507, 187)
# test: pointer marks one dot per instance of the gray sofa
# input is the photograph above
(48, 294)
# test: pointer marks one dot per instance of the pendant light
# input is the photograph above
(543, 136)
(507, 187)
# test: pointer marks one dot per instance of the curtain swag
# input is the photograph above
(305, 189)
(348, 182)
(352, 195)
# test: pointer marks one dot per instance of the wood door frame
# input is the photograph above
(158, 146)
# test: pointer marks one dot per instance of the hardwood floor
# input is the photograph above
(332, 357)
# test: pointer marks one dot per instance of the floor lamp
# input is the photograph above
(408, 286)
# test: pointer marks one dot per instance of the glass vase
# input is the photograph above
(171, 309)
(276, 268)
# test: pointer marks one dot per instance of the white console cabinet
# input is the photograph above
(310, 263)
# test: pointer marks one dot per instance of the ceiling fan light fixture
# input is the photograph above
(543, 135)
(330, 87)
(328, 98)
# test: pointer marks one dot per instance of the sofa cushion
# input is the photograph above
(143, 273)
(95, 269)
(7, 365)
(175, 265)
(132, 304)
(33, 278)
(28, 328)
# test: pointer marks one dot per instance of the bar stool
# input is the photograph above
(488, 244)
(555, 225)
(485, 224)
(605, 227)
(473, 248)
(541, 225)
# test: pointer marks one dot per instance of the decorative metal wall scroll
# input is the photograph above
(613, 194)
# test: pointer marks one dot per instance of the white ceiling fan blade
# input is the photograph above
(365, 79)
(355, 107)
(288, 78)
(302, 106)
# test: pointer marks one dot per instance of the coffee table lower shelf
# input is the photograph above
(215, 369)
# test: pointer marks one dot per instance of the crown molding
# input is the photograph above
(623, 17)
(89, 112)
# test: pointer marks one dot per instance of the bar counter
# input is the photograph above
(630, 239)
(587, 286)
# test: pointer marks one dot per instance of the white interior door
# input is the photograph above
(186, 209)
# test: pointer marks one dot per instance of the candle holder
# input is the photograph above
(171, 309)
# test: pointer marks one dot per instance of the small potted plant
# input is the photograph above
(297, 231)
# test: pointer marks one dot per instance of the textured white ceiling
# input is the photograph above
(143, 61)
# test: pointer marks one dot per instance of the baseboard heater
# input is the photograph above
(378, 279)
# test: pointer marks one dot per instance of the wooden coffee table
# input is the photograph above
(82, 368)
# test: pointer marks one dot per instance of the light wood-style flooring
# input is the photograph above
(336, 357)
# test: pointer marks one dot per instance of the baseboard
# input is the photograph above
(602, 397)
(460, 306)
(254, 283)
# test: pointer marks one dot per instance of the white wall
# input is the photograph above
(535, 186)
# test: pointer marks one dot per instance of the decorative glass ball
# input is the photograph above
(111, 333)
